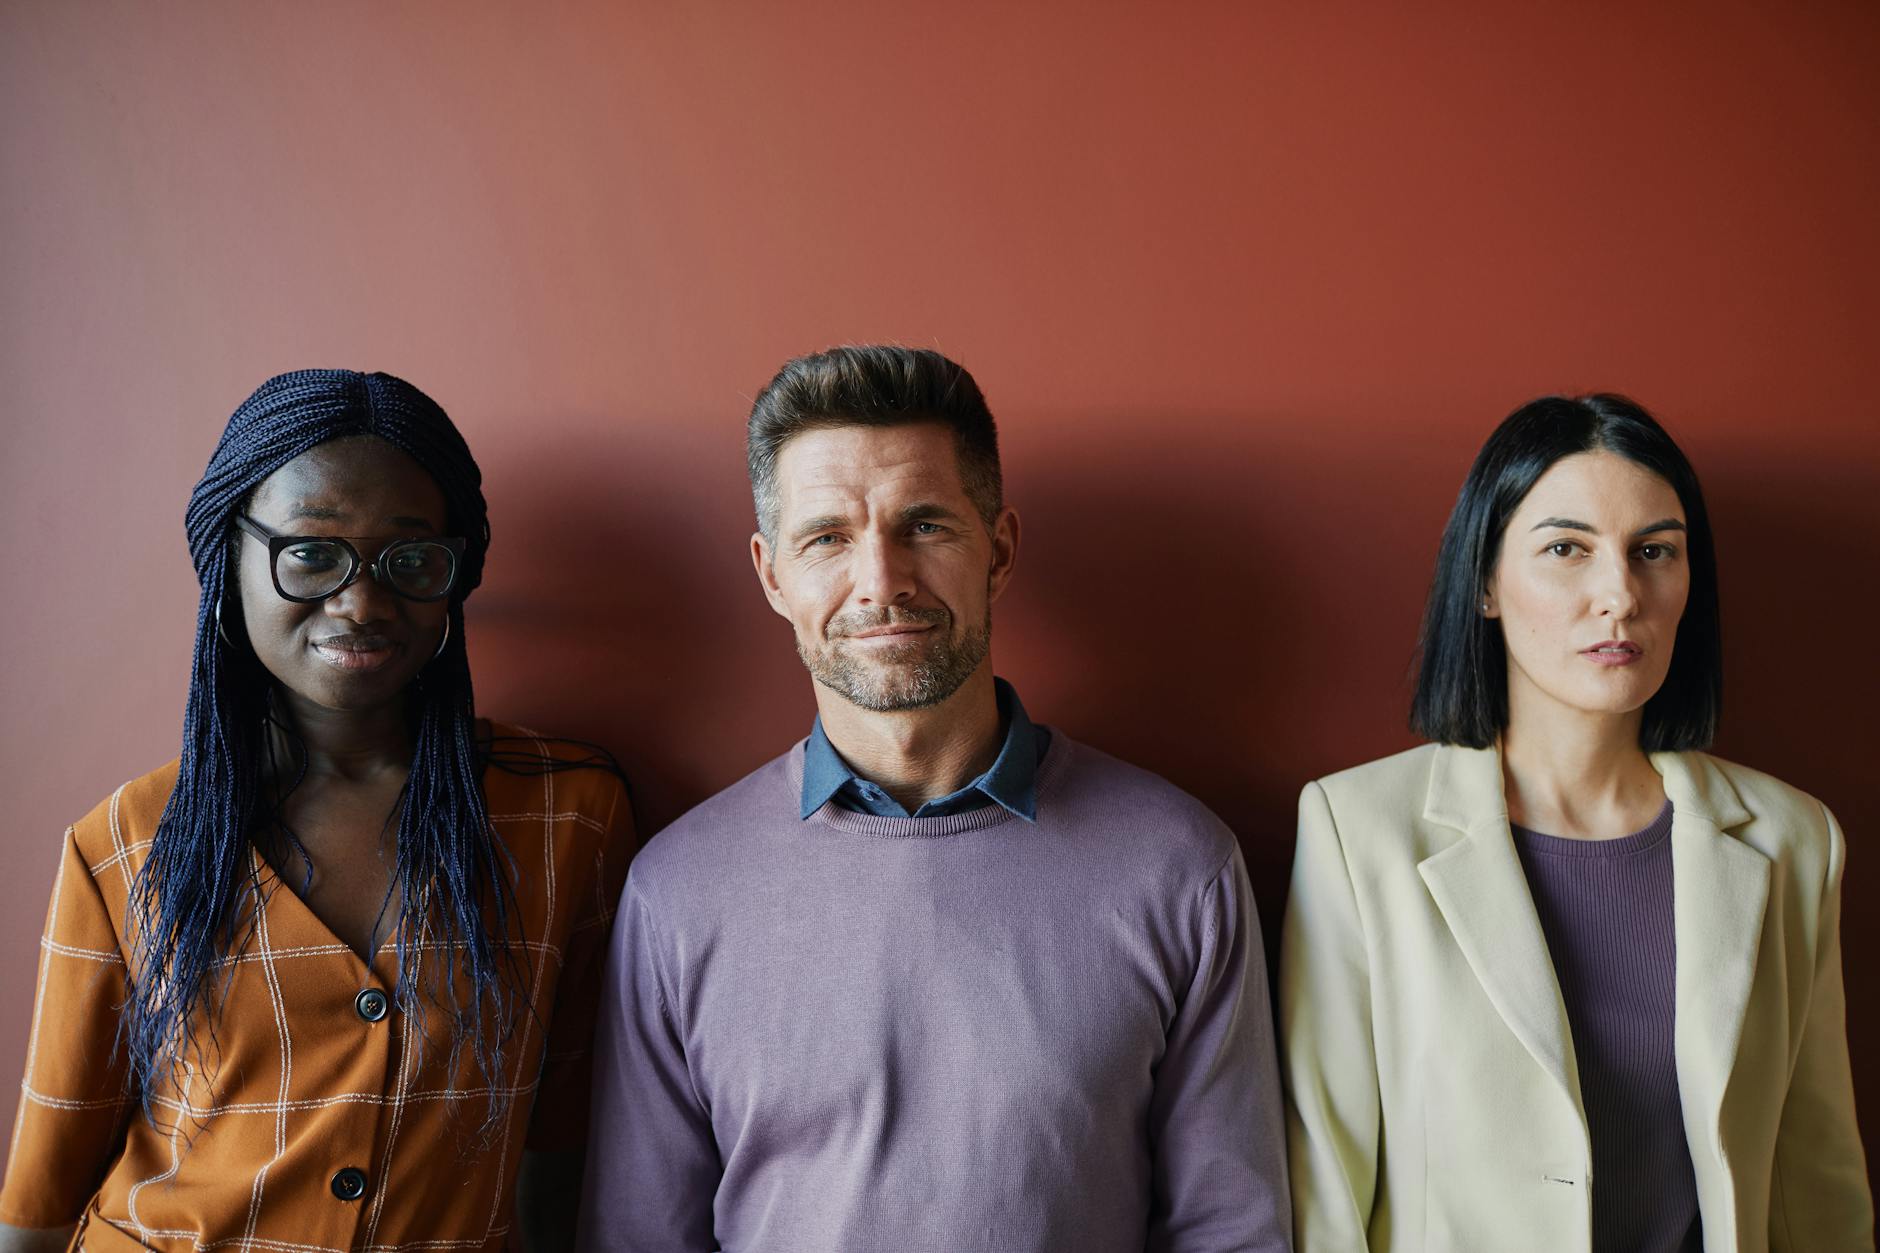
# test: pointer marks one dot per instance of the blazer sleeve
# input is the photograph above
(1821, 1195)
(73, 1100)
(1330, 1070)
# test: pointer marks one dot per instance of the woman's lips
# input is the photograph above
(355, 653)
(1613, 653)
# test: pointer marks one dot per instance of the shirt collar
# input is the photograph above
(824, 771)
(1011, 781)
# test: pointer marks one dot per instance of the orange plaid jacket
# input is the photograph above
(324, 1118)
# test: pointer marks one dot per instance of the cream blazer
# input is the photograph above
(1433, 1102)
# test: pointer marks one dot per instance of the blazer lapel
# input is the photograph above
(1478, 884)
(1721, 888)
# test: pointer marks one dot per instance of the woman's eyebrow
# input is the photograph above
(327, 513)
(1570, 524)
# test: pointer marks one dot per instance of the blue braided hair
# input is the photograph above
(194, 901)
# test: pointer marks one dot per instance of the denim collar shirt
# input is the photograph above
(1011, 780)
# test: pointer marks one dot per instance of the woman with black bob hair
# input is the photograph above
(1560, 980)
(327, 981)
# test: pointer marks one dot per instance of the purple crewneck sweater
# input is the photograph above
(1606, 908)
(947, 1034)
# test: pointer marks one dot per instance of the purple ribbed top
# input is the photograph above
(1606, 908)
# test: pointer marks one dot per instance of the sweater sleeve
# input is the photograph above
(73, 1100)
(1333, 1114)
(1821, 1196)
(652, 1163)
(1215, 1129)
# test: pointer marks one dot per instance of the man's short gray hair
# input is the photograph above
(873, 385)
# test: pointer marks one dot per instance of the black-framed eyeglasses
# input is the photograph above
(311, 568)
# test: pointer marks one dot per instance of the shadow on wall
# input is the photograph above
(1239, 616)
(1801, 684)
(1232, 615)
(621, 609)
(1213, 612)
(1795, 557)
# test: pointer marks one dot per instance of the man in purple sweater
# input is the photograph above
(938, 978)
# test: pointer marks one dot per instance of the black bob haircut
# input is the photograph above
(1462, 674)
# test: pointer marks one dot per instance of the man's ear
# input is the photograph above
(767, 573)
(1004, 552)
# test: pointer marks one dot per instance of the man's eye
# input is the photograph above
(823, 541)
(928, 528)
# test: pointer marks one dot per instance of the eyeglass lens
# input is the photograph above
(417, 569)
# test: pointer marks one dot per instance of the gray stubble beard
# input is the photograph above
(892, 683)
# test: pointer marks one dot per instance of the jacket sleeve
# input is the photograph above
(652, 1162)
(1215, 1128)
(1821, 1198)
(560, 1118)
(1332, 1107)
(73, 1100)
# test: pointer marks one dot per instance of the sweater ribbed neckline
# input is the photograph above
(1641, 841)
(989, 815)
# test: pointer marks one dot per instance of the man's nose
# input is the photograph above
(884, 572)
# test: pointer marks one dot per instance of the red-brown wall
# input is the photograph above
(1246, 285)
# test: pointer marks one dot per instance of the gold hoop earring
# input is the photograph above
(441, 643)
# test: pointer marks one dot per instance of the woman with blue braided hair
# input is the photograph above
(327, 981)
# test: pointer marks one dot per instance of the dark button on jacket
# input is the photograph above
(349, 1183)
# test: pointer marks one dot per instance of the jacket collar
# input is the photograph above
(1720, 892)
(1478, 884)
(1697, 786)
(1465, 787)
(1720, 885)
